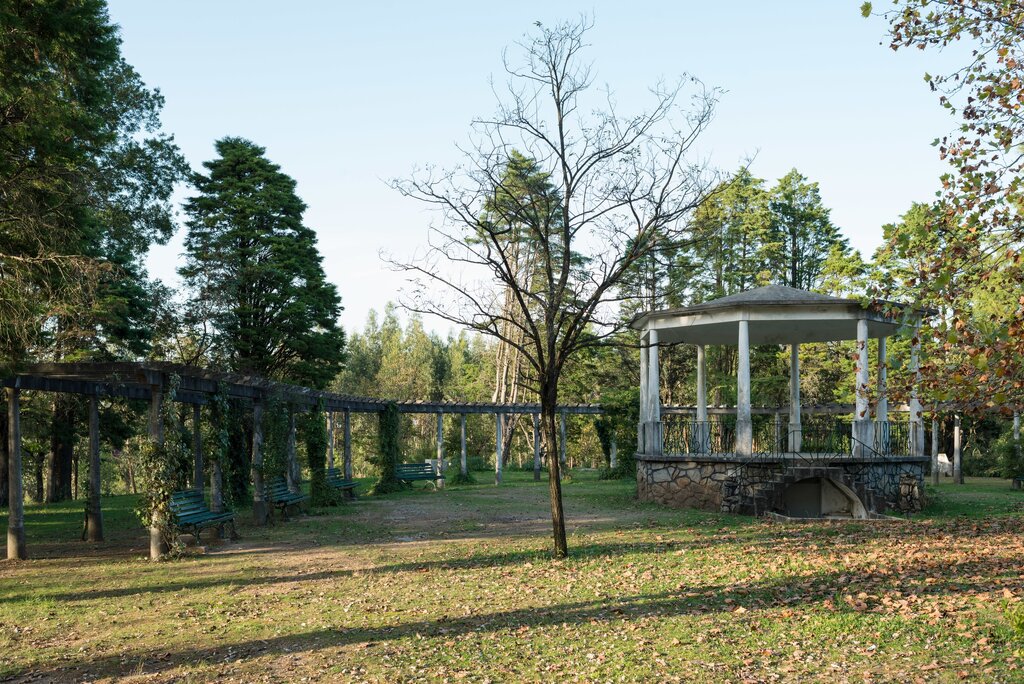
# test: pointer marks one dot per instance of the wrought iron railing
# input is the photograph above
(683, 436)
(817, 439)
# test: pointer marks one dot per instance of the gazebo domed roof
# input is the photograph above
(776, 314)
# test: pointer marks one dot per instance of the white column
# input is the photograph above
(292, 472)
(744, 426)
(536, 447)
(614, 456)
(330, 440)
(703, 432)
(916, 412)
(463, 466)
(1016, 433)
(882, 408)
(958, 470)
(561, 441)
(439, 471)
(16, 495)
(795, 427)
(654, 396)
(197, 448)
(641, 443)
(861, 416)
(497, 448)
(347, 446)
(93, 510)
(935, 450)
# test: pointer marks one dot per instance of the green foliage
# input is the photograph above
(314, 430)
(622, 414)
(87, 178)
(255, 271)
(389, 450)
(164, 466)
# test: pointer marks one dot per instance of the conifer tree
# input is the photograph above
(255, 266)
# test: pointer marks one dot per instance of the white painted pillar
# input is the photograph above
(463, 466)
(795, 427)
(158, 545)
(641, 443)
(292, 473)
(744, 425)
(654, 396)
(882, 408)
(958, 470)
(497, 448)
(346, 446)
(614, 456)
(197, 448)
(561, 441)
(15, 492)
(536, 447)
(1016, 433)
(439, 470)
(94, 511)
(260, 511)
(330, 440)
(861, 417)
(935, 450)
(703, 431)
(916, 412)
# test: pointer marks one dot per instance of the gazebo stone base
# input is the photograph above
(725, 483)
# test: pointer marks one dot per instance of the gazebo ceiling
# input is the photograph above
(775, 315)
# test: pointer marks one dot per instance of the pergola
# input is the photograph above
(147, 381)
(775, 315)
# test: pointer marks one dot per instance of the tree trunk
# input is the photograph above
(4, 456)
(61, 450)
(549, 419)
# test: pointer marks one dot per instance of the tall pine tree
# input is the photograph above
(255, 265)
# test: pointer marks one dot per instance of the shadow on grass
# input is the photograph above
(778, 592)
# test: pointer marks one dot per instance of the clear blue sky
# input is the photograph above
(347, 95)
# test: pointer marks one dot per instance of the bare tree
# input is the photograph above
(612, 190)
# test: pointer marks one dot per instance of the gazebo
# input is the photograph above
(743, 467)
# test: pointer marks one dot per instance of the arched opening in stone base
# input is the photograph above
(822, 497)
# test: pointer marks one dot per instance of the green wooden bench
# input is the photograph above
(281, 497)
(336, 480)
(192, 515)
(410, 472)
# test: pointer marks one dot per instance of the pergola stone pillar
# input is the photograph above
(703, 431)
(561, 436)
(1016, 433)
(795, 427)
(439, 470)
(958, 469)
(744, 424)
(94, 511)
(292, 473)
(935, 449)
(260, 511)
(158, 545)
(862, 426)
(197, 448)
(463, 464)
(497, 448)
(536, 447)
(330, 440)
(346, 446)
(16, 495)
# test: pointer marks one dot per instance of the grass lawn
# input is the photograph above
(458, 585)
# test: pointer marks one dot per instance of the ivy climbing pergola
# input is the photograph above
(150, 381)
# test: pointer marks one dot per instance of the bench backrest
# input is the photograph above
(414, 469)
(188, 501)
